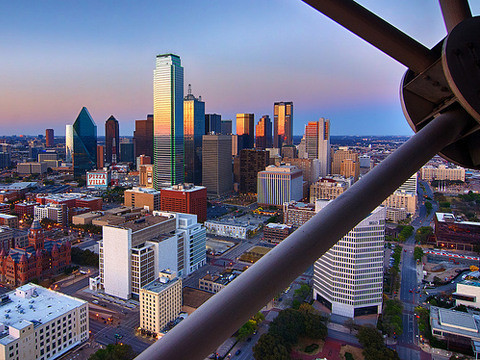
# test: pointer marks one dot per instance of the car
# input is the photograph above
(95, 301)
(238, 352)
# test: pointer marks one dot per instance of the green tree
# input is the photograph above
(405, 232)
(418, 253)
(246, 330)
(423, 233)
(429, 207)
(288, 325)
(114, 352)
(302, 293)
(373, 346)
(270, 347)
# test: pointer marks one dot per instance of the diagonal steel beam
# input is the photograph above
(454, 12)
(218, 318)
(377, 32)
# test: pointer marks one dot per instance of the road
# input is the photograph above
(406, 347)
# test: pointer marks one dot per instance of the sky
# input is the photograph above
(240, 56)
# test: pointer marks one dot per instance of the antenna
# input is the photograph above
(189, 89)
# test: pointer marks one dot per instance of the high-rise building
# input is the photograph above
(317, 143)
(252, 161)
(348, 278)
(146, 175)
(168, 120)
(185, 198)
(328, 188)
(263, 132)
(341, 154)
(143, 137)
(49, 138)
(69, 143)
(279, 184)
(245, 130)
(146, 198)
(193, 130)
(350, 168)
(213, 124)
(100, 157)
(112, 140)
(309, 167)
(217, 174)
(127, 152)
(226, 127)
(84, 144)
(282, 124)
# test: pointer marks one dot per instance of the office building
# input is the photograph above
(297, 213)
(25, 208)
(317, 144)
(49, 138)
(9, 220)
(54, 212)
(143, 137)
(185, 198)
(309, 167)
(100, 157)
(252, 161)
(214, 283)
(263, 133)
(50, 157)
(29, 168)
(350, 168)
(245, 130)
(146, 198)
(160, 302)
(226, 127)
(328, 188)
(12, 237)
(213, 124)
(217, 174)
(279, 184)
(4, 160)
(40, 324)
(133, 253)
(409, 186)
(282, 124)
(399, 200)
(467, 293)
(84, 154)
(193, 130)
(442, 172)
(289, 152)
(348, 278)
(69, 143)
(40, 259)
(455, 233)
(168, 145)
(276, 233)
(343, 153)
(112, 140)
(146, 175)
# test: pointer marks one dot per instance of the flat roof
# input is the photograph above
(455, 322)
(160, 284)
(144, 222)
(41, 307)
(449, 216)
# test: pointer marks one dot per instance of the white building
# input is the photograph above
(279, 184)
(160, 301)
(39, 324)
(230, 229)
(348, 278)
(429, 173)
(467, 293)
(55, 212)
(133, 253)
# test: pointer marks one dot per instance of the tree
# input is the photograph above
(302, 293)
(288, 326)
(246, 330)
(423, 233)
(373, 346)
(315, 327)
(270, 347)
(405, 232)
(429, 207)
(114, 352)
(418, 253)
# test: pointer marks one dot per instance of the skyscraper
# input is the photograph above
(49, 138)
(69, 143)
(168, 120)
(193, 130)
(263, 133)
(112, 140)
(245, 130)
(213, 123)
(348, 278)
(217, 174)
(282, 124)
(143, 137)
(84, 144)
(226, 127)
(317, 143)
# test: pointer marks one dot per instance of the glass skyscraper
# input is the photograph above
(168, 153)
(84, 144)
(193, 130)
(69, 143)
(282, 124)
(112, 140)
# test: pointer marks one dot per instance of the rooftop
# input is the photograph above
(144, 222)
(449, 217)
(185, 187)
(160, 284)
(455, 322)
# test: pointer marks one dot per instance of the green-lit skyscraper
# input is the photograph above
(193, 130)
(84, 154)
(168, 152)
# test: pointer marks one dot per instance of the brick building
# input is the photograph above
(276, 233)
(185, 198)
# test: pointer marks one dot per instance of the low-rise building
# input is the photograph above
(9, 220)
(442, 172)
(40, 324)
(328, 188)
(160, 301)
(297, 213)
(396, 215)
(230, 228)
(402, 200)
(4, 208)
(55, 212)
(467, 293)
(29, 168)
(146, 198)
(454, 233)
(215, 283)
(276, 233)
(25, 208)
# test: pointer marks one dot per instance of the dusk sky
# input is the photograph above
(240, 56)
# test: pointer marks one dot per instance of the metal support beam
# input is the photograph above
(377, 32)
(454, 12)
(218, 318)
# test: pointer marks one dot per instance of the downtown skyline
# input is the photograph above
(101, 55)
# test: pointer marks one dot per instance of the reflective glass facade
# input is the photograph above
(112, 133)
(168, 120)
(263, 132)
(282, 124)
(193, 130)
(84, 144)
(245, 130)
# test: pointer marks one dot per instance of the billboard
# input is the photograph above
(98, 179)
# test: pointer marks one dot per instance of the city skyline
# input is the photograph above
(355, 87)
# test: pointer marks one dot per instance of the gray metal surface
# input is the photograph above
(224, 313)
(377, 32)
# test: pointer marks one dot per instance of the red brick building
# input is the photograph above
(25, 208)
(276, 233)
(4, 208)
(71, 200)
(185, 198)
(40, 259)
